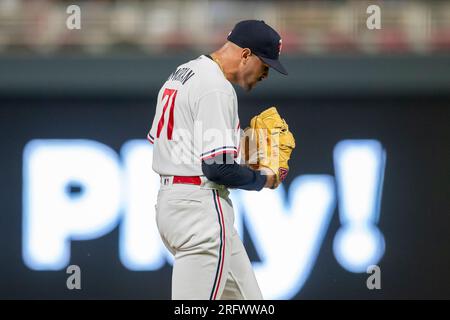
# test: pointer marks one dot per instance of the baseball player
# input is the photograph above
(196, 137)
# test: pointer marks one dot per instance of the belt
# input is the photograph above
(195, 180)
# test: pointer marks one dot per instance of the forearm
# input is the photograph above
(233, 175)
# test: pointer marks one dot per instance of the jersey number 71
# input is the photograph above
(172, 94)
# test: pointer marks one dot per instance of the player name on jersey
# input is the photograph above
(182, 75)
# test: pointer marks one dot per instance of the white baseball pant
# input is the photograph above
(196, 224)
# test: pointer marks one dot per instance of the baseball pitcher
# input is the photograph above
(199, 155)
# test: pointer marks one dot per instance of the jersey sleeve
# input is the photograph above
(215, 121)
(152, 132)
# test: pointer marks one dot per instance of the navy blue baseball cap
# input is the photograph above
(259, 37)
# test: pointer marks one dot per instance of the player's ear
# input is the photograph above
(245, 54)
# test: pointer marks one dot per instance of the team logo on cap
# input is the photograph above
(280, 45)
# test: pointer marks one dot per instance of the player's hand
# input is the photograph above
(271, 178)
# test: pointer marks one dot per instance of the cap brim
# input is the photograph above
(275, 64)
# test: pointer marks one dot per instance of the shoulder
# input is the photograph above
(209, 78)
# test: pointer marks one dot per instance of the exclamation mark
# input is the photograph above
(359, 167)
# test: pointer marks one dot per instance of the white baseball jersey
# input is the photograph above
(196, 118)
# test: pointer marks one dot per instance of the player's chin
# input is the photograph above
(250, 86)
